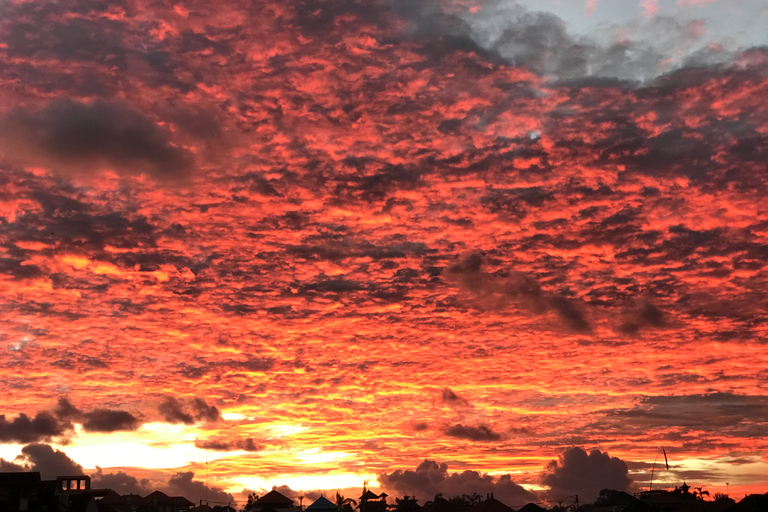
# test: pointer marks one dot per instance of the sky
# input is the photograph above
(454, 246)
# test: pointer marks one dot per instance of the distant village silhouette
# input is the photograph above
(28, 492)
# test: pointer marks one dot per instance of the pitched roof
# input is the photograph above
(491, 505)
(274, 498)
(157, 496)
(323, 503)
(368, 495)
(115, 498)
(531, 507)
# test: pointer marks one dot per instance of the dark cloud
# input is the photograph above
(120, 482)
(204, 411)
(75, 137)
(65, 410)
(449, 397)
(479, 433)
(585, 474)
(715, 412)
(643, 315)
(109, 420)
(74, 39)
(22, 429)
(10, 467)
(431, 478)
(500, 290)
(223, 444)
(507, 31)
(183, 484)
(175, 411)
(172, 411)
(49, 462)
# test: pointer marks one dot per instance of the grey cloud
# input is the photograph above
(643, 315)
(431, 478)
(449, 397)
(184, 484)
(120, 482)
(24, 429)
(497, 291)
(540, 41)
(49, 462)
(479, 433)
(10, 467)
(172, 411)
(724, 412)
(220, 444)
(73, 137)
(64, 409)
(585, 474)
(109, 420)
(77, 39)
(175, 411)
(204, 411)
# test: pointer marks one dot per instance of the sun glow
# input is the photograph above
(153, 446)
(307, 482)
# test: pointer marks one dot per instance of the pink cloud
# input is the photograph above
(650, 7)
(693, 3)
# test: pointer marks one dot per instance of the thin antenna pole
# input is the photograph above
(666, 463)
(206, 482)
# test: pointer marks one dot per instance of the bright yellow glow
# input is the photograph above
(164, 428)
(315, 456)
(154, 446)
(232, 416)
(10, 451)
(285, 430)
(308, 482)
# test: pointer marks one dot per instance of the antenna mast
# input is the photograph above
(666, 463)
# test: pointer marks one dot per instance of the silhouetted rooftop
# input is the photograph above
(532, 507)
(439, 505)
(274, 499)
(322, 503)
(491, 505)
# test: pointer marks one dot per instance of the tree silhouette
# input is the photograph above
(344, 504)
(251, 504)
(406, 504)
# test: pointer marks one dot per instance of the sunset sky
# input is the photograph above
(438, 246)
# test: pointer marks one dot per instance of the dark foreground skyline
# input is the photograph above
(314, 243)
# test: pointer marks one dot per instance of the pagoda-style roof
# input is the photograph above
(323, 503)
(275, 500)
(368, 495)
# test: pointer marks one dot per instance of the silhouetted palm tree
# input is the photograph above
(344, 504)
